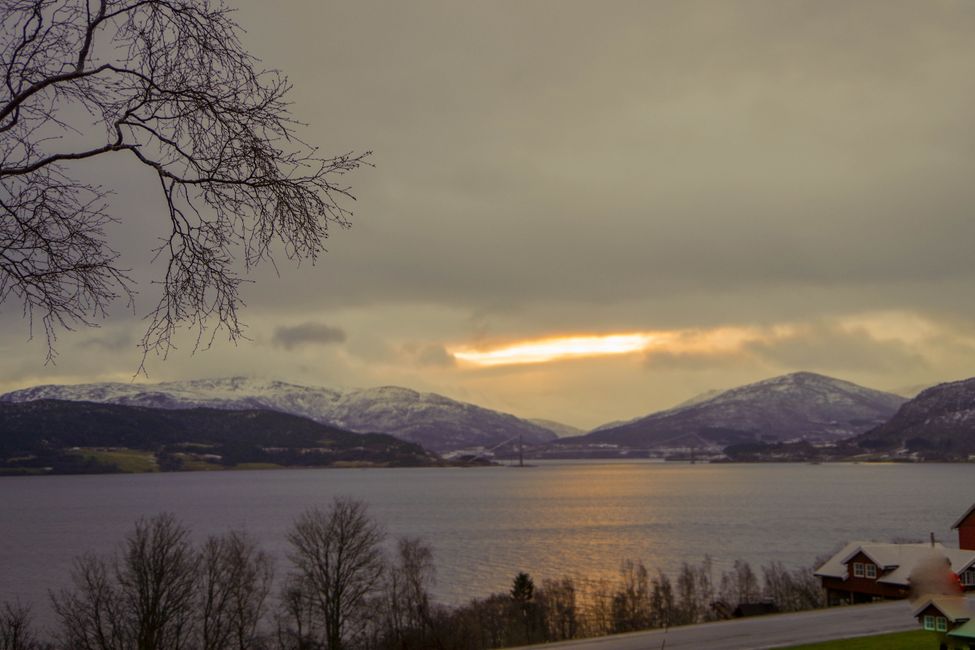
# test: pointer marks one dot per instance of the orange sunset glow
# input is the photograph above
(556, 348)
(560, 348)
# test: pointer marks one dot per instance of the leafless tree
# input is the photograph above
(143, 598)
(792, 590)
(295, 619)
(561, 609)
(338, 563)
(93, 615)
(169, 84)
(235, 579)
(739, 585)
(16, 632)
(631, 600)
(403, 614)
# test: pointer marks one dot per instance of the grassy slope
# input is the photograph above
(127, 460)
(913, 640)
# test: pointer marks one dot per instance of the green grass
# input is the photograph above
(196, 465)
(913, 640)
(128, 460)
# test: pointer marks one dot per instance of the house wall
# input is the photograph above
(860, 590)
(930, 610)
(966, 534)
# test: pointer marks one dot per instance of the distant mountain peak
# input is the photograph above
(796, 405)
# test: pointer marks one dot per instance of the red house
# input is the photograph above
(863, 572)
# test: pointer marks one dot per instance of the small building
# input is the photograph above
(951, 618)
(864, 572)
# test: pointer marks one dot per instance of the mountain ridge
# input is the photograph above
(797, 405)
(437, 422)
(939, 421)
(45, 435)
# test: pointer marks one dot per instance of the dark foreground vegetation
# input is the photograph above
(346, 588)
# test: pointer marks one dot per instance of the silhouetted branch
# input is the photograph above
(170, 84)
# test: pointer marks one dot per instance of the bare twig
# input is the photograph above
(171, 85)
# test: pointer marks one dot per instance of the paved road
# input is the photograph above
(761, 632)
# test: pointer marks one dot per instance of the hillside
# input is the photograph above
(80, 436)
(801, 405)
(433, 421)
(939, 422)
(560, 429)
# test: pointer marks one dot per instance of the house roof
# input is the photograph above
(955, 608)
(965, 631)
(961, 559)
(885, 556)
(897, 559)
(965, 516)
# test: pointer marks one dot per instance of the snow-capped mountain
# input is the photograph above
(697, 399)
(799, 405)
(434, 421)
(941, 420)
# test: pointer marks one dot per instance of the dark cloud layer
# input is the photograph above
(827, 347)
(290, 337)
(658, 149)
(567, 166)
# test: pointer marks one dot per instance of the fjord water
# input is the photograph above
(486, 524)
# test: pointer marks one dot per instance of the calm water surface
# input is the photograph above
(486, 524)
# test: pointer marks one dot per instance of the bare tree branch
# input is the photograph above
(168, 82)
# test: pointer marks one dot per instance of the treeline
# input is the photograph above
(158, 591)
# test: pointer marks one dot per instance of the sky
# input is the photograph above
(589, 211)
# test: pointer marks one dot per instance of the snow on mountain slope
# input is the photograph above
(939, 422)
(432, 420)
(798, 405)
(693, 401)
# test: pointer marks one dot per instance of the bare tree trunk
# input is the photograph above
(338, 565)
(235, 579)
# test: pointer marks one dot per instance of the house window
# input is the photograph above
(871, 570)
(928, 622)
(858, 569)
(941, 624)
(968, 578)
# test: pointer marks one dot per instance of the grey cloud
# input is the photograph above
(431, 354)
(371, 348)
(675, 147)
(118, 342)
(690, 361)
(827, 347)
(307, 334)
(820, 346)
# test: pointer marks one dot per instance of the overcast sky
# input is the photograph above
(751, 188)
